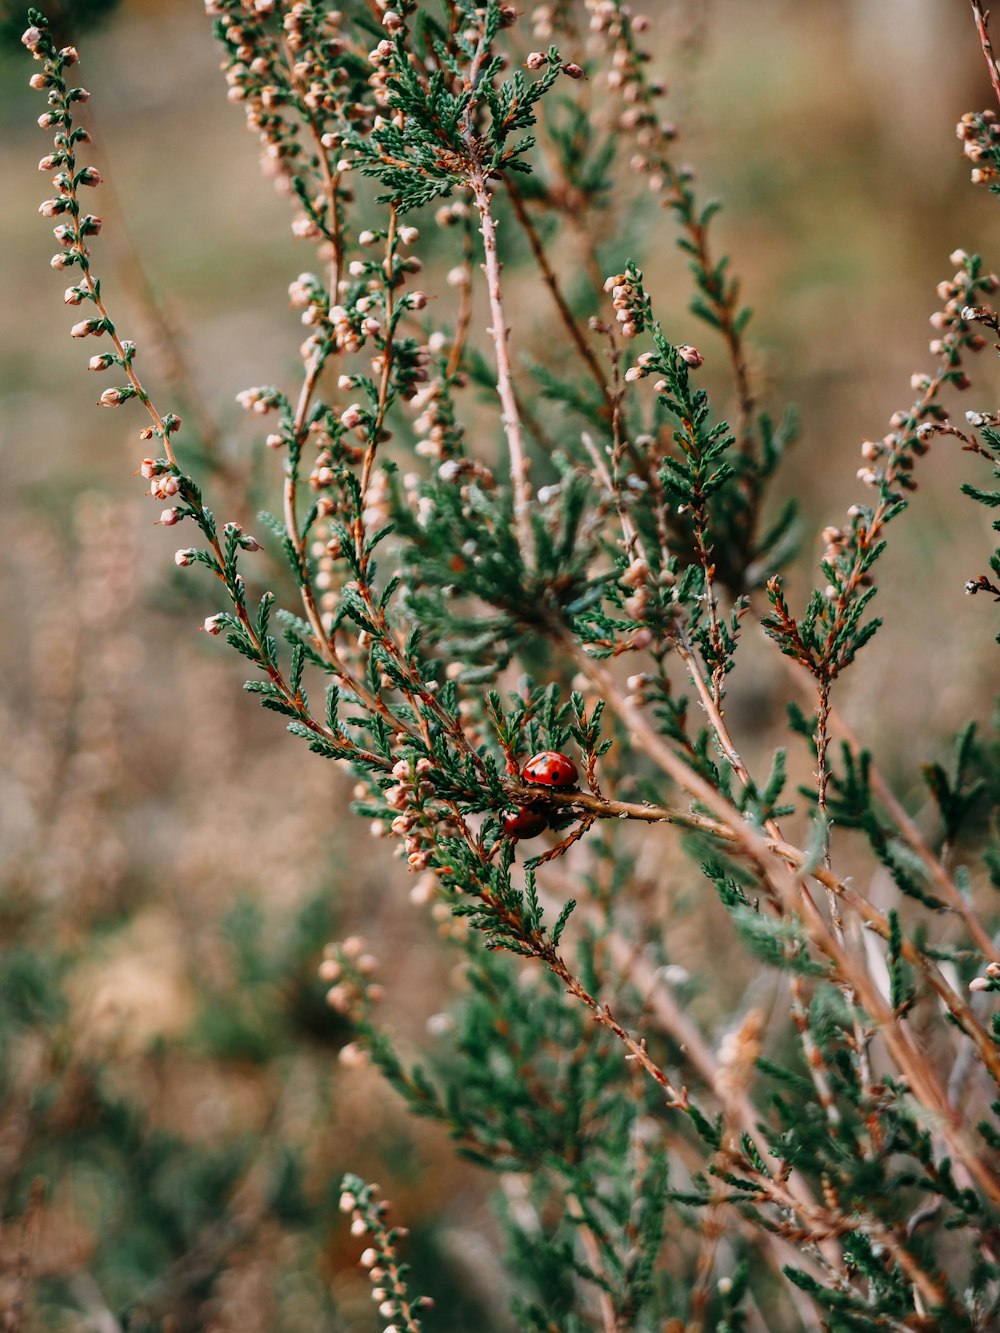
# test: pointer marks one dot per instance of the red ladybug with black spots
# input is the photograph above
(549, 768)
(523, 822)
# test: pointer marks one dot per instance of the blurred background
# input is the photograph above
(171, 863)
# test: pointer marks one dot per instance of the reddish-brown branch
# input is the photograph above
(505, 377)
(552, 282)
(982, 18)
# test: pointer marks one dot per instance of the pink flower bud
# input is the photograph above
(213, 624)
(32, 38)
(184, 557)
(409, 235)
(70, 55)
(51, 208)
(163, 486)
(574, 71)
(418, 300)
(90, 176)
(112, 398)
(169, 517)
(535, 60)
(87, 326)
(690, 355)
(38, 82)
(396, 797)
(100, 362)
(351, 416)
(72, 296)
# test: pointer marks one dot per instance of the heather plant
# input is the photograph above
(466, 540)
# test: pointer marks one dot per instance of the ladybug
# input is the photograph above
(550, 769)
(523, 823)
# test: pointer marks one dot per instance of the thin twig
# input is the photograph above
(552, 282)
(982, 17)
(500, 334)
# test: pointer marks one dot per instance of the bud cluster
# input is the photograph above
(348, 968)
(416, 817)
(979, 133)
(68, 180)
(370, 1217)
(889, 461)
(628, 300)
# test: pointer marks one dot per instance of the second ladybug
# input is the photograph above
(523, 823)
(550, 769)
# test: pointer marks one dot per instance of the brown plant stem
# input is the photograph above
(500, 334)
(776, 863)
(677, 1098)
(731, 829)
(609, 1321)
(552, 282)
(982, 18)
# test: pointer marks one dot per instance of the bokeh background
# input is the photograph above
(174, 1114)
